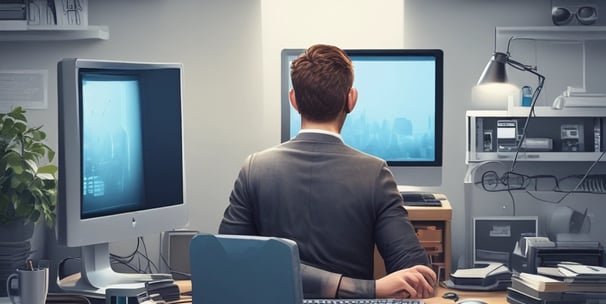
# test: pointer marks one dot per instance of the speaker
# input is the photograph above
(175, 253)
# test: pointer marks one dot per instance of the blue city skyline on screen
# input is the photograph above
(394, 117)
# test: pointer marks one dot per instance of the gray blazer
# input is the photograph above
(334, 201)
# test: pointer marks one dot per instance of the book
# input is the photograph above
(539, 285)
(575, 273)
(495, 276)
(481, 272)
(520, 297)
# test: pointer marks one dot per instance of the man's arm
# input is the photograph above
(322, 284)
(395, 236)
(414, 282)
(406, 262)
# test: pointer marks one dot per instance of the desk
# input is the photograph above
(423, 216)
(496, 297)
(491, 297)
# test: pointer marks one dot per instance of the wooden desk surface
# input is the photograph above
(491, 297)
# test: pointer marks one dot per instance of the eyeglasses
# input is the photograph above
(586, 15)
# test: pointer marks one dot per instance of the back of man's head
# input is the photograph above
(321, 78)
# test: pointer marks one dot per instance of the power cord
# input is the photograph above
(510, 181)
(150, 266)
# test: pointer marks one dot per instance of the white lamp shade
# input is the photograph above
(495, 96)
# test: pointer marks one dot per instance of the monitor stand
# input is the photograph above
(98, 279)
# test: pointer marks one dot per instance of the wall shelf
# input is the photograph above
(97, 32)
(490, 139)
(555, 33)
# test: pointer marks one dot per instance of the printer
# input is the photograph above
(533, 252)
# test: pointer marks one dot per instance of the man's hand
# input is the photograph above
(414, 282)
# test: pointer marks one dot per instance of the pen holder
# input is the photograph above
(31, 286)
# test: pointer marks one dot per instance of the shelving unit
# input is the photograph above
(440, 248)
(555, 33)
(475, 119)
(546, 122)
(97, 32)
(484, 133)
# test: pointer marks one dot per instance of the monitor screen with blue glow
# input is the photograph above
(398, 116)
(120, 161)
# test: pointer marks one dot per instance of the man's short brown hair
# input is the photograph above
(321, 78)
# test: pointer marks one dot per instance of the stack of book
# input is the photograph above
(567, 283)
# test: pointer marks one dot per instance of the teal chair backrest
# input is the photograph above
(244, 269)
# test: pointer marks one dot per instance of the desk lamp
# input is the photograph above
(494, 77)
(495, 73)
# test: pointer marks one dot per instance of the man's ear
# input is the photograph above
(293, 100)
(352, 98)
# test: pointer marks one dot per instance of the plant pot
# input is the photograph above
(15, 246)
(16, 231)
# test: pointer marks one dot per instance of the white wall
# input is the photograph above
(299, 24)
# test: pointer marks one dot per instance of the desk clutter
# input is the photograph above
(165, 290)
(566, 283)
(492, 277)
(537, 269)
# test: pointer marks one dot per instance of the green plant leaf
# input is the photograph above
(45, 176)
(13, 162)
(17, 113)
(27, 188)
(51, 155)
(50, 169)
(19, 127)
(31, 165)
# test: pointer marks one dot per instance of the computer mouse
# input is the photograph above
(471, 301)
(451, 296)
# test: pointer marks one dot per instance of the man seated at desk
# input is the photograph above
(335, 202)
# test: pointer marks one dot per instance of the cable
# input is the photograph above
(128, 259)
(535, 95)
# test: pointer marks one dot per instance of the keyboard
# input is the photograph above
(420, 199)
(362, 301)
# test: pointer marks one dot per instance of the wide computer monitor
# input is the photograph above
(121, 169)
(399, 112)
(495, 237)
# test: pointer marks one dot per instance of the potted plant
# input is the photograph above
(28, 181)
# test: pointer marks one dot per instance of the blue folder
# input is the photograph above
(244, 269)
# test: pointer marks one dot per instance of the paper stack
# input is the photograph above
(566, 283)
(494, 276)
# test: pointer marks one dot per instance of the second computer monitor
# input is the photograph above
(495, 237)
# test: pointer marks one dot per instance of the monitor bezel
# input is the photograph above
(72, 229)
(439, 96)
